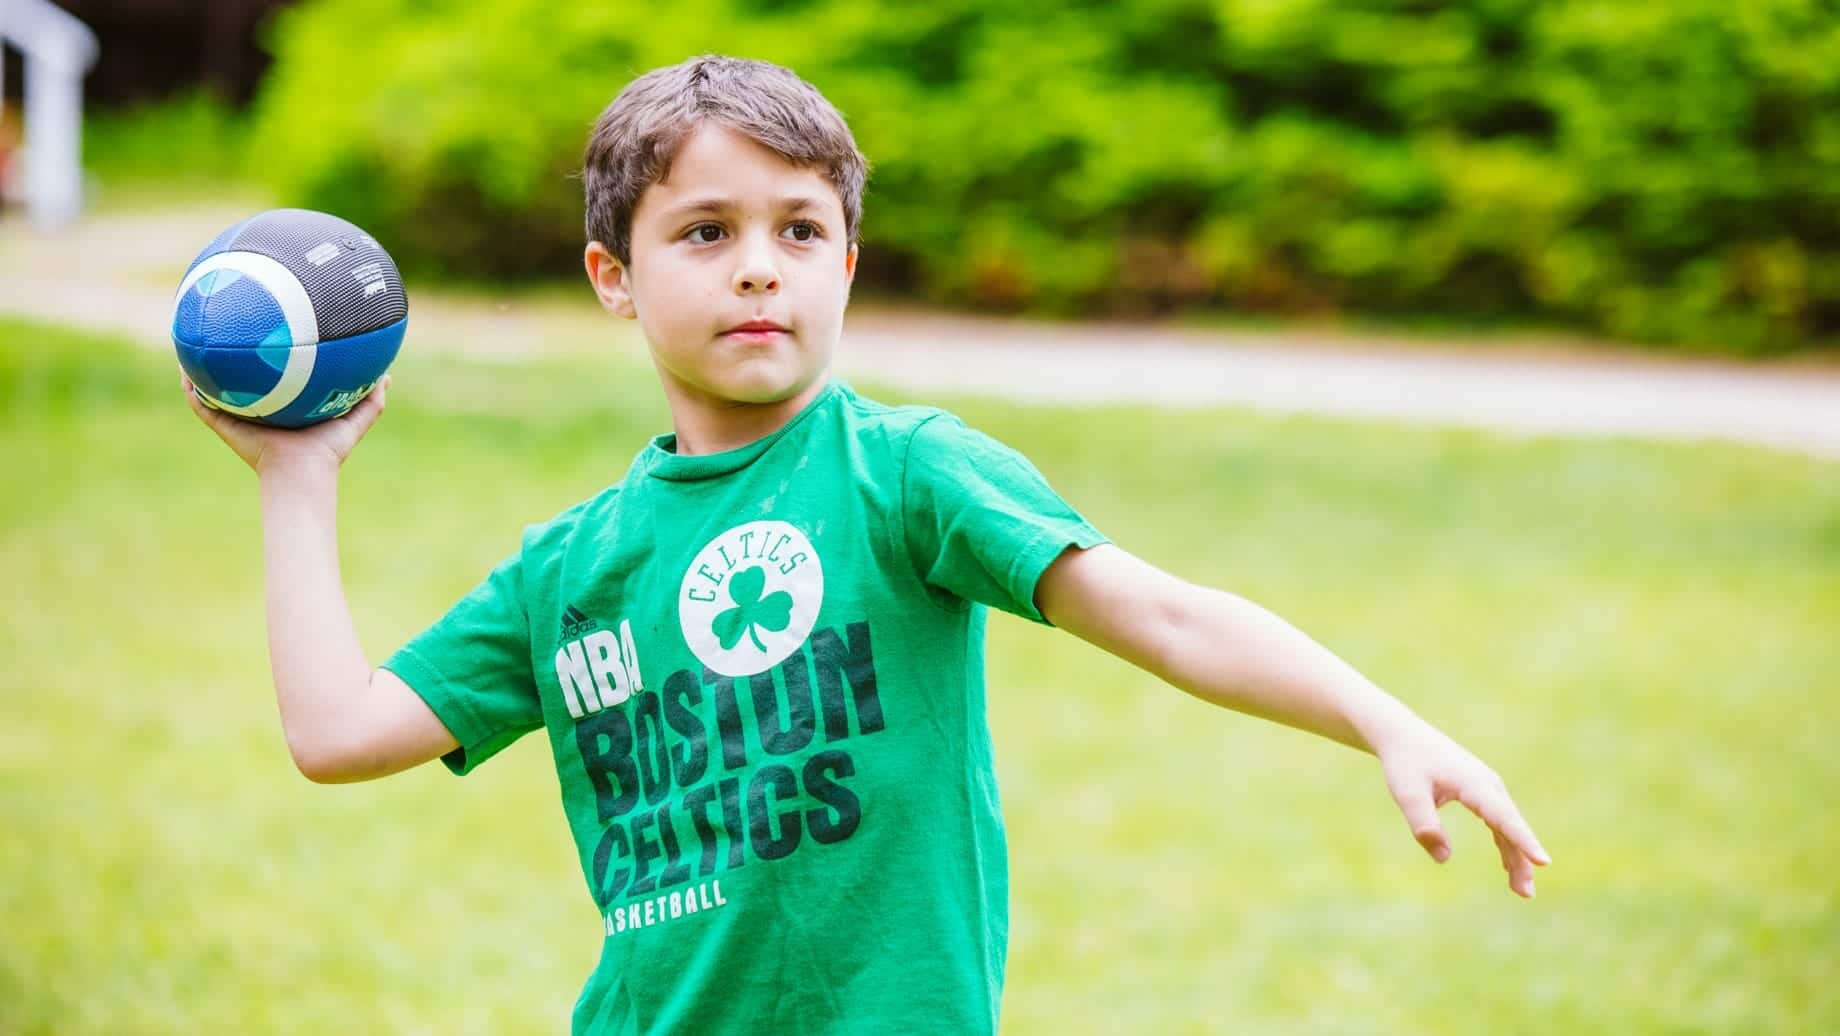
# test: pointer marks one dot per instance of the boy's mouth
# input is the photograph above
(756, 327)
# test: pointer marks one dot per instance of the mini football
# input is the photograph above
(289, 318)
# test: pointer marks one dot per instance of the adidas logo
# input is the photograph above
(575, 622)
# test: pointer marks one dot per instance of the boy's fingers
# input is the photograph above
(211, 416)
(204, 413)
(191, 396)
(369, 408)
(1516, 863)
(1422, 817)
(1498, 811)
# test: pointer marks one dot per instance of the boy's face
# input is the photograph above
(698, 272)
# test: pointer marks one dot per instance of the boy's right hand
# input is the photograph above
(265, 448)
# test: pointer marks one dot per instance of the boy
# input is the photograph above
(759, 656)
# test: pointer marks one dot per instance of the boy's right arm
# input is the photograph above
(344, 721)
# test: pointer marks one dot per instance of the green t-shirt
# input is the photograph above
(762, 675)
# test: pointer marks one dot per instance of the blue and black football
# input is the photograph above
(289, 317)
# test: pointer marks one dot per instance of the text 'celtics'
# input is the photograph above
(712, 770)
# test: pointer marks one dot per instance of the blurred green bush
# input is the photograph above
(191, 139)
(1655, 171)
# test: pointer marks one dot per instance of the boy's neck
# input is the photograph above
(704, 424)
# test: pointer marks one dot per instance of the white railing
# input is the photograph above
(59, 51)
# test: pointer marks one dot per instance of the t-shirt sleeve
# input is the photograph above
(473, 668)
(982, 523)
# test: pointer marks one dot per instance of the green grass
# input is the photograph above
(1641, 638)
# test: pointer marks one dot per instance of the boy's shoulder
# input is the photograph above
(893, 417)
(930, 436)
(898, 426)
(595, 511)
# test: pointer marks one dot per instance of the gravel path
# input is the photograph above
(116, 271)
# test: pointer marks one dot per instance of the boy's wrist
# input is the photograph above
(1381, 719)
(298, 470)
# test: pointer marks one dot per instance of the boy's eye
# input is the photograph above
(710, 233)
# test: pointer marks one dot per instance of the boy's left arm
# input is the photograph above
(1226, 650)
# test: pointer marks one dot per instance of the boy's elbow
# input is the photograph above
(322, 763)
(314, 766)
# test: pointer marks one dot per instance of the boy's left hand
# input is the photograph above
(1424, 769)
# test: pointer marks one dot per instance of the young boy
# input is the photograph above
(759, 656)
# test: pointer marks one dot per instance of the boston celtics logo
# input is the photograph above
(751, 597)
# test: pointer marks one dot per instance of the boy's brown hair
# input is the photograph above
(639, 134)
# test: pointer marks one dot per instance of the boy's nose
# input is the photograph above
(750, 279)
(755, 270)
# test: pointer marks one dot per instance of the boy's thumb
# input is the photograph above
(1422, 817)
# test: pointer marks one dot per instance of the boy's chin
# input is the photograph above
(758, 394)
(765, 387)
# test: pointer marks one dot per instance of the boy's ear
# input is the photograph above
(611, 280)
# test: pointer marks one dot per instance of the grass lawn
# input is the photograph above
(1643, 639)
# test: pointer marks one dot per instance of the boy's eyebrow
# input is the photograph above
(793, 203)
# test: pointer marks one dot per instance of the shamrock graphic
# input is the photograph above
(772, 614)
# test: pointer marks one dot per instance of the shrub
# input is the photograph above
(1663, 172)
(190, 138)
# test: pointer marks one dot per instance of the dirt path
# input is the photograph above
(116, 271)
